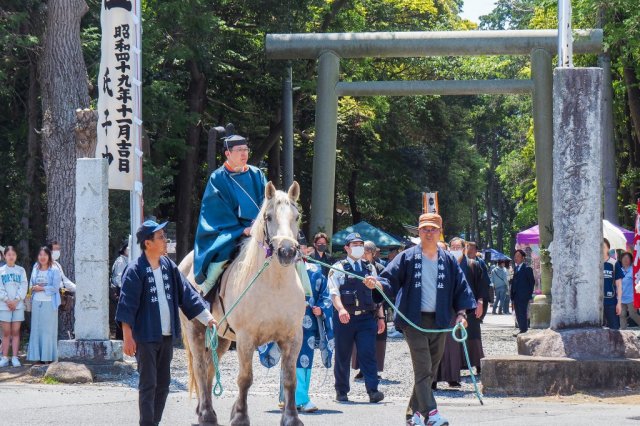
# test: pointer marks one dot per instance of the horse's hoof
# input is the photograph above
(239, 420)
(289, 420)
(208, 418)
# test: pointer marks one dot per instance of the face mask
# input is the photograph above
(612, 253)
(55, 254)
(456, 253)
(321, 248)
(357, 252)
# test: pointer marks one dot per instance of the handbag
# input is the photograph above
(27, 299)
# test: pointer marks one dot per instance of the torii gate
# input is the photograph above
(329, 48)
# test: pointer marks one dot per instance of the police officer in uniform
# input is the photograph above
(355, 319)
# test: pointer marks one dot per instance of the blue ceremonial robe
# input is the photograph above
(225, 212)
(138, 304)
(317, 332)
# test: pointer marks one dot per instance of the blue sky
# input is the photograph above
(472, 9)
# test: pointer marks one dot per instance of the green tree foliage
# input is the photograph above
(204, 65)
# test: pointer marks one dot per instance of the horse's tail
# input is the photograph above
(192, 382)
(186, 267)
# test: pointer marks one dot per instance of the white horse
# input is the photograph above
(271, 311)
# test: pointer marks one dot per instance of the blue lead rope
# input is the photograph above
(458, 327)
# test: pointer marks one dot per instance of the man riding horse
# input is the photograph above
(230, 204)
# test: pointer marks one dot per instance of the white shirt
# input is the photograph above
(336, 279)
(41, 280)
(66, 282)
(165, 313)
(13, 285)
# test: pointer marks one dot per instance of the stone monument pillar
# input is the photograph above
(577, 196)
(92, 344)
(576, 353)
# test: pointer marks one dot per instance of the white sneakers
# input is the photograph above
(416, 420)
(309, 407)
(4, 362)
(435, 419)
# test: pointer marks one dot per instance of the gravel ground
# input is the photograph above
(497, 335)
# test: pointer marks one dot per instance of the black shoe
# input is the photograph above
(454, 384)
(359, 375)
(342, 397)
(379, 377)
(375, 396)
(434, 385)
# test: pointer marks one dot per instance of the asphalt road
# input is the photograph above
(31, 404)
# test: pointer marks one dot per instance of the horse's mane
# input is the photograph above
(252, 253)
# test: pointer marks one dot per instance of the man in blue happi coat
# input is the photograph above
(153, 289)
(431, 290)
(231, 202)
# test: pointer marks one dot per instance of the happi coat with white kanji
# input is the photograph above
(138, 304)
(404, 275)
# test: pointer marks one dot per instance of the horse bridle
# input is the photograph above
(267, 244)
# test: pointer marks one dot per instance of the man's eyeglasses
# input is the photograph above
(429, 230)
(247, 150)
(161, 237)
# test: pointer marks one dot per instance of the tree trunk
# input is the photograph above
(30, 169)
(475, 224)
(491, 191)
(489, 211)
(353, 202)
(265, 146)
(63, 80)
(500, 228)
(86, 132)
(633, 96)
(196, 99)
(273, 171)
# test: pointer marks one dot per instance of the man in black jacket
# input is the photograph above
(522, 285)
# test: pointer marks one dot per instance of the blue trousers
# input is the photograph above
(520, 306)
(611, 319)
(361, 330)
(500, 299)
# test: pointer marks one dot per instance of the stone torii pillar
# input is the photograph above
(542, 75)
(324, 157)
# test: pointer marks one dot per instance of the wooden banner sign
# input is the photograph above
(119, 92)
(430, 202)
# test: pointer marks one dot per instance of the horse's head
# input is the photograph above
(281, 216)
